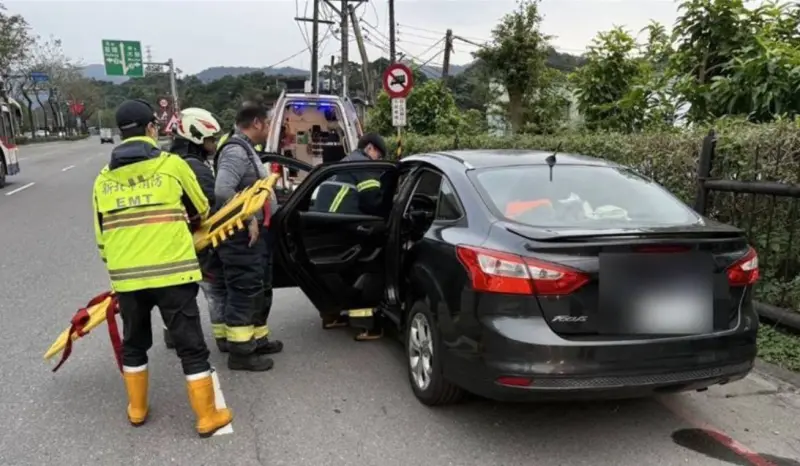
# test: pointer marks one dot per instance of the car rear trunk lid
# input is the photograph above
(655, 282)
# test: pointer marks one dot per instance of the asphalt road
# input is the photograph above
(328, 401)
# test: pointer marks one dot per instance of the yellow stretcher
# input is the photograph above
(211, 232)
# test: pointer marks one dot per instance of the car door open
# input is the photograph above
(280, 277)
(336, 258)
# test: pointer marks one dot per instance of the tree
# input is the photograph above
(609, 75)
(430, 107)
(15, 40)
(46, 56)
(761, 81)
(707, 35)
(517, 57)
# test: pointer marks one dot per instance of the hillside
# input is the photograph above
(217, 72)
(560, 61)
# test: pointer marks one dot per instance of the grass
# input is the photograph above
(779, 348)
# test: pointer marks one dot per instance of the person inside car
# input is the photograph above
(356, 192)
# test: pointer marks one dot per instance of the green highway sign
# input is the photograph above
(123, 58)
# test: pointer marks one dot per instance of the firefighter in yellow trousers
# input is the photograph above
(145, 200)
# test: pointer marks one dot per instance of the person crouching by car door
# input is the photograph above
(358, 192)
(244, 255)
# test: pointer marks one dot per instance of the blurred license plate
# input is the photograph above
(656, 294)
(670, 311)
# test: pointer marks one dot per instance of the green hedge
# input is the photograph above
(21, 141)
(744, 152)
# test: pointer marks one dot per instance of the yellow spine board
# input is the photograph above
(97, 315)
(245, 204)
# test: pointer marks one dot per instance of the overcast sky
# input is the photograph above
(199, 34)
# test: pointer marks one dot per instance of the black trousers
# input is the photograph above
(179, 311)
(243, 290)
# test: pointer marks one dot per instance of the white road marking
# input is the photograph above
(68, 168)
(20, 189)
(219, 399)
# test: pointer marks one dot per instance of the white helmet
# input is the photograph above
(196, 124)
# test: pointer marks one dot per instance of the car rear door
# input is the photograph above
(337, 259)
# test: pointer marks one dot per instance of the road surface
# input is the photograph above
(328, 401)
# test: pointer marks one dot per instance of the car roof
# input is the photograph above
(485, 158)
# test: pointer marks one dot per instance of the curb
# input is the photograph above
(783, 375)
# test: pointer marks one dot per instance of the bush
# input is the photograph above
(744, 152)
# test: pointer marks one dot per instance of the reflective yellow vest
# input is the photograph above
(141, 223)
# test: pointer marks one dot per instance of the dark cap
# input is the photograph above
(376, 140)
(135, 113)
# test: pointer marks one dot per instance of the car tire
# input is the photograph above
(2, 174)
(423, 342)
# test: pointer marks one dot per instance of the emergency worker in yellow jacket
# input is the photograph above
(144, 201)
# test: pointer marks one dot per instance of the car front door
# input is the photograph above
(280, 277)
(336, 258)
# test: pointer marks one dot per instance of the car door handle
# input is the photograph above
(364, 230)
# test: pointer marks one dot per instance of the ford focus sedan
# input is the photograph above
(524, 275)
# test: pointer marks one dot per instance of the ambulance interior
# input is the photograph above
(313, 132)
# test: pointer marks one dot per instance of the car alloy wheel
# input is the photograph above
(420, 351)
(424, 352)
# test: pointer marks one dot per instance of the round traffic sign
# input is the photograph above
(163, 103)
(398, 80)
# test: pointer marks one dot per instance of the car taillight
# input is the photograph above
(501, 272)
(744, 271)
(275, 168)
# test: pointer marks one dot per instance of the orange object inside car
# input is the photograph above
(514, 209)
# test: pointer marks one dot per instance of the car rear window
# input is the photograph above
(580, 196)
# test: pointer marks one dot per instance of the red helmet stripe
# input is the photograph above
(207, 124)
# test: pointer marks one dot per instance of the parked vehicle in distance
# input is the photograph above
(523, 275)
(10, 118)
(106, 136)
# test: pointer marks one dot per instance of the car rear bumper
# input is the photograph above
(572, 369)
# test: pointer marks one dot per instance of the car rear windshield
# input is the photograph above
(581, 196)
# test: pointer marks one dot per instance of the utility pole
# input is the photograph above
(448, 46)
(315, 21)
(345, 48)
(392, 34)
(173, 85)
(365, 71)
(315, 50)
(330, 76)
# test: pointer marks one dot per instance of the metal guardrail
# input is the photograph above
(752, 203)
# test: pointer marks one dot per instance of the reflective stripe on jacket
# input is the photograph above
(357, 192)
(141, 221)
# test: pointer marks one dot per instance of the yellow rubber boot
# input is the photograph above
(136, 384)
(201, 396)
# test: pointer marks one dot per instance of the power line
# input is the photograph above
(432, 46)
(303, 32)
(305, 49)
(431, 59)
(438, 33)
(402, 33)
